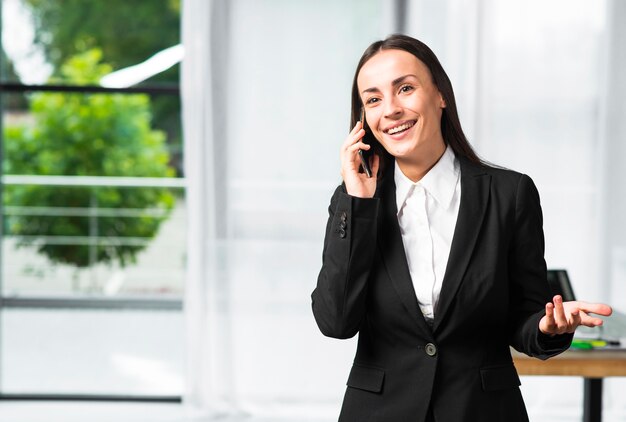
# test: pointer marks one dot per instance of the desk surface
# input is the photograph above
(582, 363)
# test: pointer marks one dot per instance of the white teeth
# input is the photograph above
(400, 128)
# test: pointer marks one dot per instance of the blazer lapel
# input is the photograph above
(475, 188)
(392, 251)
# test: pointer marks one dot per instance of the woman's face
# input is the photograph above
(402, 105)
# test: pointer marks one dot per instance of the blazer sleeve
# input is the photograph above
(339, 299)
(529, 289)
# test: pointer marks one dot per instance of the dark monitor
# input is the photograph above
(560, 285)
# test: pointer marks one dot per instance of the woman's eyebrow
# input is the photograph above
(401, 79)
(395, 82)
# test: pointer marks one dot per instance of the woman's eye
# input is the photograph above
(406, 88)
(371, 100)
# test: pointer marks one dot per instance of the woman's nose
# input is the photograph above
(392, 107)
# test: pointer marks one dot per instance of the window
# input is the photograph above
(93, 199)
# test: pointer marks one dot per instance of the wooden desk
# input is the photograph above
(593, 365)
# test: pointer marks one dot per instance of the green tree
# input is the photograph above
(127, 32)
(87, 135)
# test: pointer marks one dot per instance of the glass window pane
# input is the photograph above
(40, 37)
(90, 247)
(98, 134)
(71, 225)
(91, 352)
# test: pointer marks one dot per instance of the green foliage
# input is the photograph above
(87, 135)
(127, 32)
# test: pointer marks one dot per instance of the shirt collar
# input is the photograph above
(440, 181)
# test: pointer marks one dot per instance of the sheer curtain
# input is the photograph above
(207, 375)
(266, 89)
(266, 83)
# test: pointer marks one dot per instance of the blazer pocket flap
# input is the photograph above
(499, 377)
(366, 378)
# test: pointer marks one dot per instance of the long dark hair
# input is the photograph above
(450, 125)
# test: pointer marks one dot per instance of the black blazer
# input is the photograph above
(493, 295)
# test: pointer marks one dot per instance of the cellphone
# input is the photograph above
(363, 154)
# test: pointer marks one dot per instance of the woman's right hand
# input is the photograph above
(357, 184)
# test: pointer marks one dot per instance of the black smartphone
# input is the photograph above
(364, 155)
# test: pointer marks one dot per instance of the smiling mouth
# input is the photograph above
(401, 128)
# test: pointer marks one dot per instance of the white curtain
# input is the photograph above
(266, 88)
(540, 88)
(201, 162)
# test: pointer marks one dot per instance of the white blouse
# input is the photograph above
(427, 214)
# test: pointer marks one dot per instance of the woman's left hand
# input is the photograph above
(563, 317)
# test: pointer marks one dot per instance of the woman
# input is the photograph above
(436, 260)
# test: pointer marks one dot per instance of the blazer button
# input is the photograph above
(344, 216)
(342, 233)
(342, 225)
(431, 350)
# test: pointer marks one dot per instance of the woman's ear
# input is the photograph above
(442, 102)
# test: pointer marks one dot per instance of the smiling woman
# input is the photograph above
(403, 112)
(436, 260)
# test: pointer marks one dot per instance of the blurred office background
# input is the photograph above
(162, 222)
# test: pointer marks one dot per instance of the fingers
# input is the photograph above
(595, 308)
(586, 308)
(356, 147)
(357, 184)
(549, 324)
(589, 321)
(559, 315)
(354, 136)
(352, 145)
(351, 162)
(576, 318)
(565, 317)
